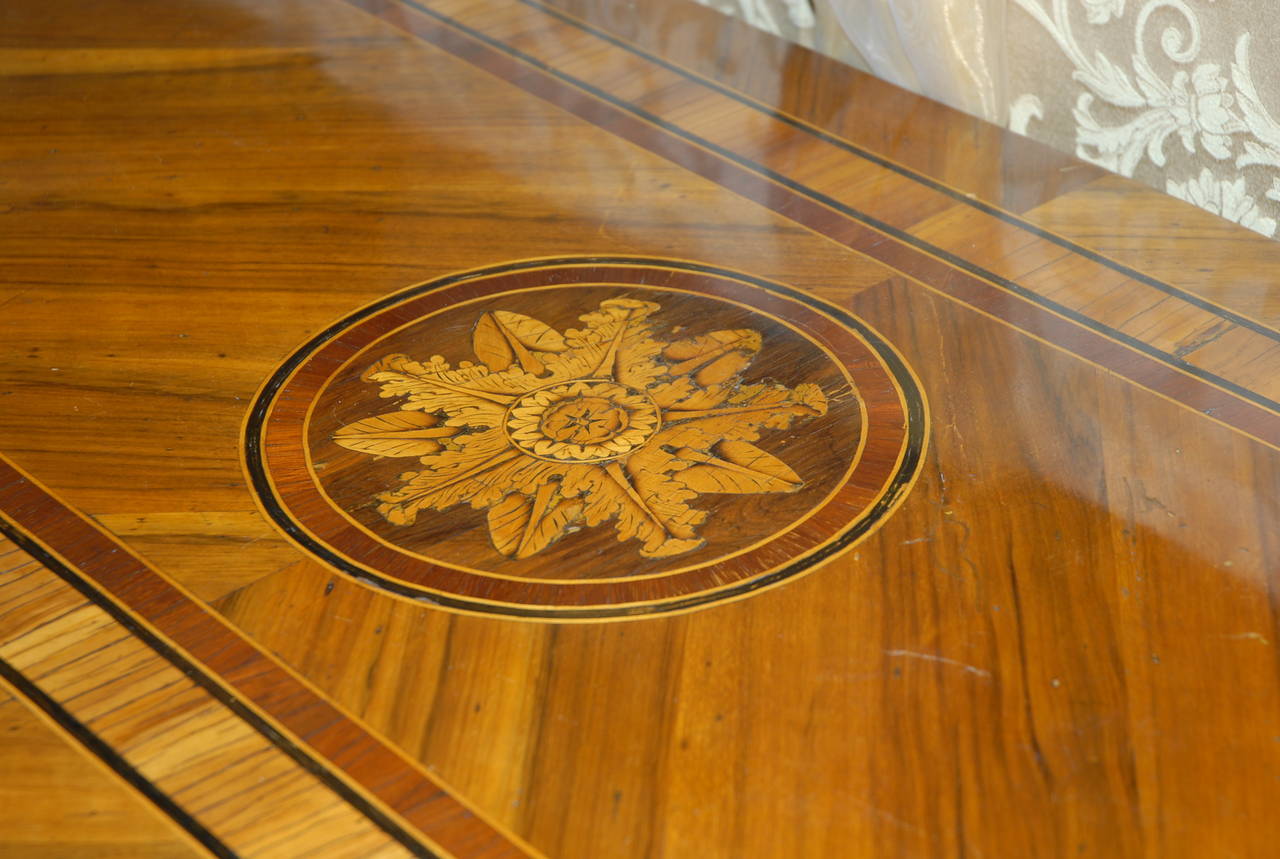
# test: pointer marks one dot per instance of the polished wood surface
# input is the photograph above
(1050, 633)
(239, 696)
(170, 737)
(97, 816)
(623, 422)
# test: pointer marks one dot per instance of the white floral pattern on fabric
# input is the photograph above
(1226, 198)
(810, 23)
(1155, 90)
(1124, 119)
(1101, 11)
(764, 13)
(1264, 148)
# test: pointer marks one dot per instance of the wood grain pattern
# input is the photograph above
(1176, 321)
(236, 792)
(1143, 362)
(980, 661)
(879, 118)
(93, 815)
(1171, 240)
(584, 427)
(863, 434)
(362, 778)
(1063, 641)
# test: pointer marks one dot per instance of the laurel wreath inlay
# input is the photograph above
(556, 431)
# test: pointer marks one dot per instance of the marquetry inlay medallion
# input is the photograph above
(586, 438)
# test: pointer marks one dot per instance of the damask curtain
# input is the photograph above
(1181, 94)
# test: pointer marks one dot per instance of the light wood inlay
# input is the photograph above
(1061, 643)
(849, 416)
(463, 29)
(1168, 239)
(55, 803)
(553, 432)
(1001, 245)
(318, 736)
(249, 796)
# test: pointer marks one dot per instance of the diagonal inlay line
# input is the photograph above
(1217, 398)
(955, 194)
(21, 686)
(401, 799)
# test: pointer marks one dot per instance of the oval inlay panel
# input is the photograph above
(586, 438)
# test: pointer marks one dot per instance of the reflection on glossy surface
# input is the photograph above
(1061, 643)
(800, 423)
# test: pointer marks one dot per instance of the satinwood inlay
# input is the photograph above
(612, 422)
(586, 438)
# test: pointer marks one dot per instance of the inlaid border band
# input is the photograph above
(35, 697)
(1216, 398)
(397, 794)
(862, 408)
(963, 198)
(274, 449)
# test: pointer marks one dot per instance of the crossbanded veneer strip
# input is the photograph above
(240, 789)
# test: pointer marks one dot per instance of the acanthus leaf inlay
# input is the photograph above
(554, 431)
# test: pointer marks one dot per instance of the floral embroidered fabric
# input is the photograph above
(1183, 95)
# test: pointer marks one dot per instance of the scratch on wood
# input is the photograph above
(1247, 636)
(930, 657)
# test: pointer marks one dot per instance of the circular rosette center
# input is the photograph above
(591, 420)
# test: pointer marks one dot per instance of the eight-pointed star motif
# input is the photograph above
(608, 422)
